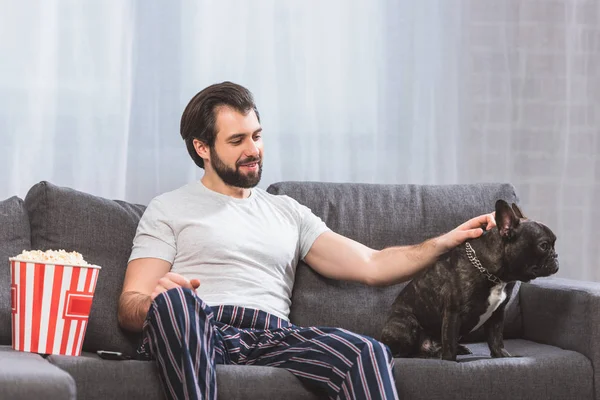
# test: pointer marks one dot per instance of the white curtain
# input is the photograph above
(389, 91)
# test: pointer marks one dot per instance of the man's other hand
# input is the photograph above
(171, 281)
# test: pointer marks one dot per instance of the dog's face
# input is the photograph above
(528, 246)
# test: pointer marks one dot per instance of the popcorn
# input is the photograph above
(60, 257)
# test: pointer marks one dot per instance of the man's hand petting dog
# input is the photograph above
(471, 229)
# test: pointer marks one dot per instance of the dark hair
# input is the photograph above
(199, 117)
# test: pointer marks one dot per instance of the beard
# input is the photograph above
(233, 177)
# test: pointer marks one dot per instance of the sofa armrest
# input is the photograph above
(564, 313)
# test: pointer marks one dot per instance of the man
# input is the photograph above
(210, 276)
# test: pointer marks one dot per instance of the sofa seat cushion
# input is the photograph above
(140, 380)
(29, 376)
(14, 238)
(107, 379)
(540, 372)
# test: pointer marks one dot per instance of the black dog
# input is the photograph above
(467, 287)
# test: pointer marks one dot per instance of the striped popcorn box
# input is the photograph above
(50, 305)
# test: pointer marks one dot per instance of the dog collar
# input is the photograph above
(475, 261)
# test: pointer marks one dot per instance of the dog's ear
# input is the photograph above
(506, 220)
(518, 211)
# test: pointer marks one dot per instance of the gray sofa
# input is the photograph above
(552, 324)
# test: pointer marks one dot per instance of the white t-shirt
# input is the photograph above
(243, 251)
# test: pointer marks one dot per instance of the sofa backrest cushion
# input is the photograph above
(381, 216)
(102, 231)
(14, 238)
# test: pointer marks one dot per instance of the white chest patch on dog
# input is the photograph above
(497, 296)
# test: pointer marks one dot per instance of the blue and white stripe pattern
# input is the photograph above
(188, 338)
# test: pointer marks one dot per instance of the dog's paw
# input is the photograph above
(463, 350)
(500, 353)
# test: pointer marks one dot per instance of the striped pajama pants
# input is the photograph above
(187, 338)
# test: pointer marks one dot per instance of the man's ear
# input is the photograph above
(202, 149)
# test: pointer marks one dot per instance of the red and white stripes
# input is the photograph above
(50, 306)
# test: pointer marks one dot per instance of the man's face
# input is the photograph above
(237, 154)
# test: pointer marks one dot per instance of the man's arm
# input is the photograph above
(145, 279)
(141, 278)
(338, 257)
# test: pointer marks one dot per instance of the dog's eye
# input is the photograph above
(545, 246)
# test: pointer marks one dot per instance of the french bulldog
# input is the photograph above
(469, 287)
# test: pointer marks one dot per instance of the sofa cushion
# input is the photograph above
(14, 238)
(108, 379)
(381, 216)
(29, 376)
(140, 380)
(102, 231)
(538, 372)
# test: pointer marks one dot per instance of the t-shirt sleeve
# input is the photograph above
(310, 226)
(154, 236)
